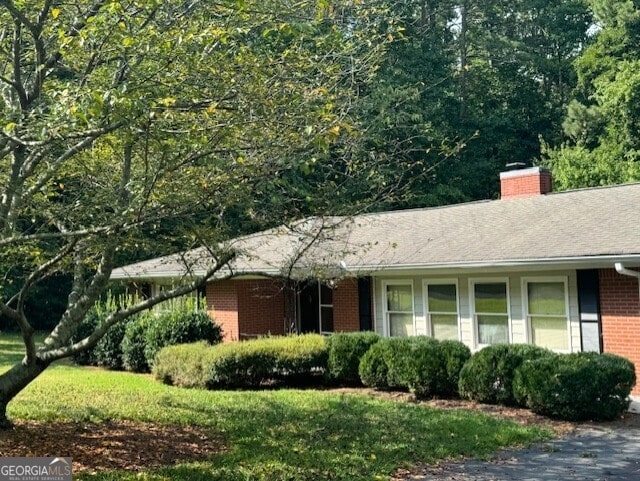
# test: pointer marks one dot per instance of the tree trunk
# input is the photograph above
(463, 62)
(12, 382)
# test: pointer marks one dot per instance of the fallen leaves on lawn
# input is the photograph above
(109, 445)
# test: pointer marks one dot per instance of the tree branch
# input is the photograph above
(51, 355)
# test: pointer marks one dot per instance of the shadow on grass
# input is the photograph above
(290, 435)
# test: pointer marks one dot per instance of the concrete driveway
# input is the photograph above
(603, 452)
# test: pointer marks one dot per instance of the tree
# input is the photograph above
(120, 116)
(602, 122)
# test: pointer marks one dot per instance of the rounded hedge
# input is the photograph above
(249, 364)
(134, 342)
(345, 352)
(179, 327)
(373, 369)
(108, 350)
(455, 354)
(420, 367)
(421, 364)
(575, 387)
(184, 365)
(488, 375)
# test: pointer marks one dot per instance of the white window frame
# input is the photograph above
(474, 314)
(525, 306)
(385, 304)
(427, 312)
(321, 305)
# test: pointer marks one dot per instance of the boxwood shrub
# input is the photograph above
(579, 386)
(251, 363)
(108, 351)
(488, 375)
(178, 327)
(184, 365)
(421, 364)
(345, 350)
(134, 342)
(373, 369)
(455, 354)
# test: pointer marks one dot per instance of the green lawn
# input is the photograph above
(270, 435)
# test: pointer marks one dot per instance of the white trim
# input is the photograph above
(472, 307)
(321, 305)
(524, 294)
(386, 331)
(425, 303)
(602, 261)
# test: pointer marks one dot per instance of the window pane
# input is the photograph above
(546, 298)
(326, 294)
(493, 329)
(326, 319)
(401, 325)
(550, 332)
(442, 298)
(444, 326)
(399, 298)
(491, 298)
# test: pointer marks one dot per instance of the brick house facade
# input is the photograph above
(246, 309)
(620, 316)
(535, 267)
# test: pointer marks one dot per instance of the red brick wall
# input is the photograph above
(260, 307)
(620, 312)
(222, 306)
(346, 312)
(527, 184)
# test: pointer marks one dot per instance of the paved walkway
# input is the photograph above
(602, 453)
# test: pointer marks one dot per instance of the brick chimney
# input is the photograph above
(525, 182)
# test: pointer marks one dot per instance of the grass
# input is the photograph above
(270, 435)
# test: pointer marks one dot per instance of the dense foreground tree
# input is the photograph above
(120, 115)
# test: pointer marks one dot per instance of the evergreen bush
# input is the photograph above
(575, 387)
(179, 326)
(488, 375)
(345, 352)
(251, 363)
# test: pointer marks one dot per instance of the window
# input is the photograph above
(326, 308)
(547, 313)
(491, 311)
(399, 308)
(442, 309)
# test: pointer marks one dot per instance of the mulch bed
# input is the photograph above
(110, 445)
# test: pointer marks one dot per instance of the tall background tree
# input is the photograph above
(602, 122)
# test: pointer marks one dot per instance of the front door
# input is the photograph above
(309, 307)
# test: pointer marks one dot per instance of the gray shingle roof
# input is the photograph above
(588, 223)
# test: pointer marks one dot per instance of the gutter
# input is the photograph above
(621, 269)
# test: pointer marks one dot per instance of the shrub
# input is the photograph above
(134, 343)
(345, 353)
(373, 369)
(580, 386)
(455, 354)
(88, 325)
(251, 363)
(421, 364)
(179, 327)
(108, 350)
(184, 365)
(488, 375)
